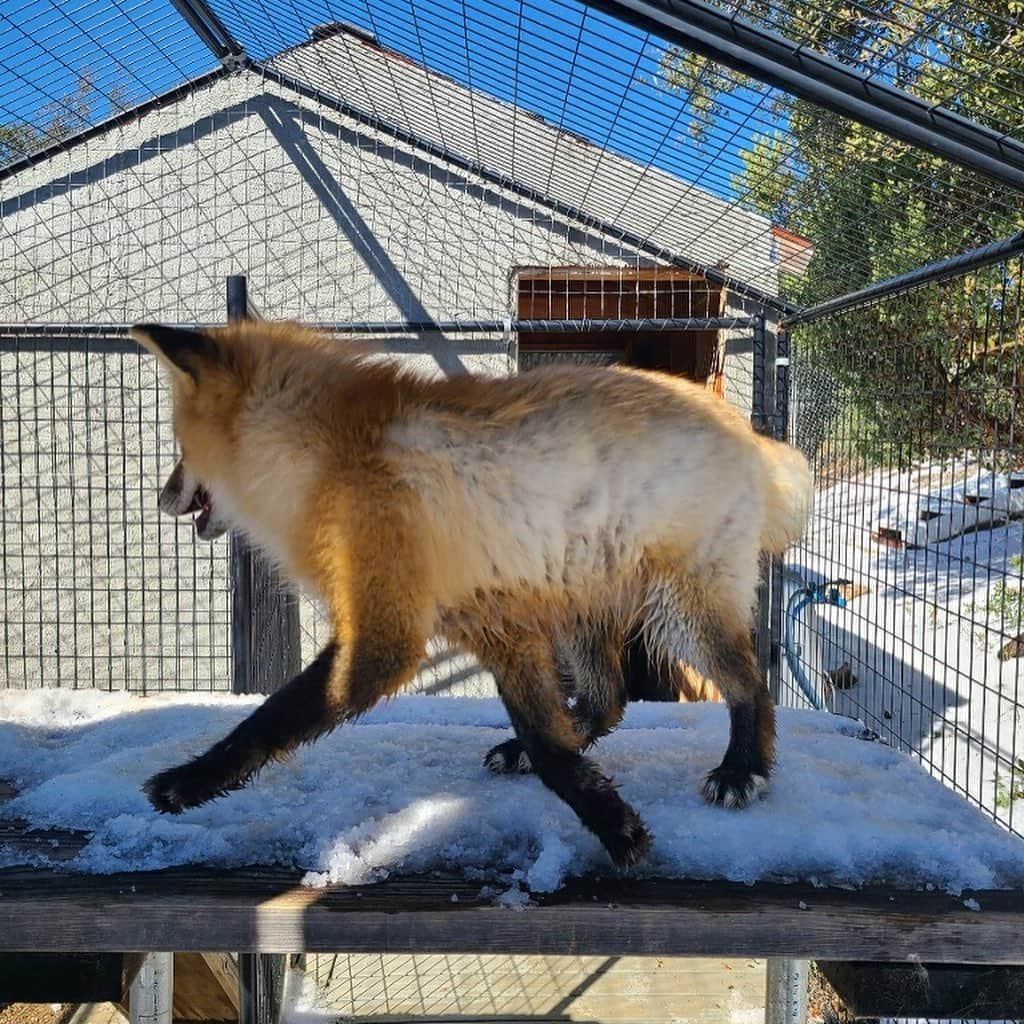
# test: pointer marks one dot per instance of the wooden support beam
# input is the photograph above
(205, 987)
(269, 911)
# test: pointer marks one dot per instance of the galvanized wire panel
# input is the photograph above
(912, 410)
(332, 221)
(593, 112)
(99, 589)
(425, 161)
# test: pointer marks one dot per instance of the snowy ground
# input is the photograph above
(404, 791)
(924, 639)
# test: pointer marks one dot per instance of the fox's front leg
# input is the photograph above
(344, 681)
(381, 615)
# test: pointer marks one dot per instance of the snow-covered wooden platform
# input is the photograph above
(389, 835)
(403, 791)
(267, 910)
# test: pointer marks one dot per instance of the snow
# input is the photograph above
(403, 791)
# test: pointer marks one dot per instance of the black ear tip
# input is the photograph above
(185, 348)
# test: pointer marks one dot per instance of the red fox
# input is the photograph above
(539, 521)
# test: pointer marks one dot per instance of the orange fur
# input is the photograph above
(557, 511)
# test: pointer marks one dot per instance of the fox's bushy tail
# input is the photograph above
(789, 498)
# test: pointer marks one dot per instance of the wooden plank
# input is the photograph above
(224, 967)
(268, 911)
(54, 844)
(205, 987)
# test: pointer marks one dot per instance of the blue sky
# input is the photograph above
(572, 65)
(140, 47)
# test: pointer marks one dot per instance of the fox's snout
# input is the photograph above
(180, 492)
(183, 494)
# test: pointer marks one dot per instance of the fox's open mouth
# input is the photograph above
(207, 523)
(202, 503)
(184, 495)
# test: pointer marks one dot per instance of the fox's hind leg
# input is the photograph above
(690, 620)
(551, 736)
(592, 677)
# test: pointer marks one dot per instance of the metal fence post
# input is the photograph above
(761, 422)
(260, 987)
(776, 576)
(786, 991)
(151, 994)
(265, 636)
(266, 652)
(241, 559)
(786, 980)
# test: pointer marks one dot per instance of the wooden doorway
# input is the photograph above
(621, 293)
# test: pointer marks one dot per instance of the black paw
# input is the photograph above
(629, 843)
(178, 789)
(508, 758)
(733, 787)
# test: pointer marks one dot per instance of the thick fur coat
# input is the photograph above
(542, 522)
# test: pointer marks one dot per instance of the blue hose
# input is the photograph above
(806, 594)
(799, 600)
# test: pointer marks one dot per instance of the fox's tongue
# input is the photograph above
(203, 518)
(197, 503)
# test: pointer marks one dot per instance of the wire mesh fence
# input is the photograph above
(98, 590)
(102, 590)
(562, 103)
(454, 177)
(911, 409)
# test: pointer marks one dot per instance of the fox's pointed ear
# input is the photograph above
(183, 351)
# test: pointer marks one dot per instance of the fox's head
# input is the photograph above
(208, 392)
(252, 403)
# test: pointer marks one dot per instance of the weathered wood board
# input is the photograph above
(264, 910)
